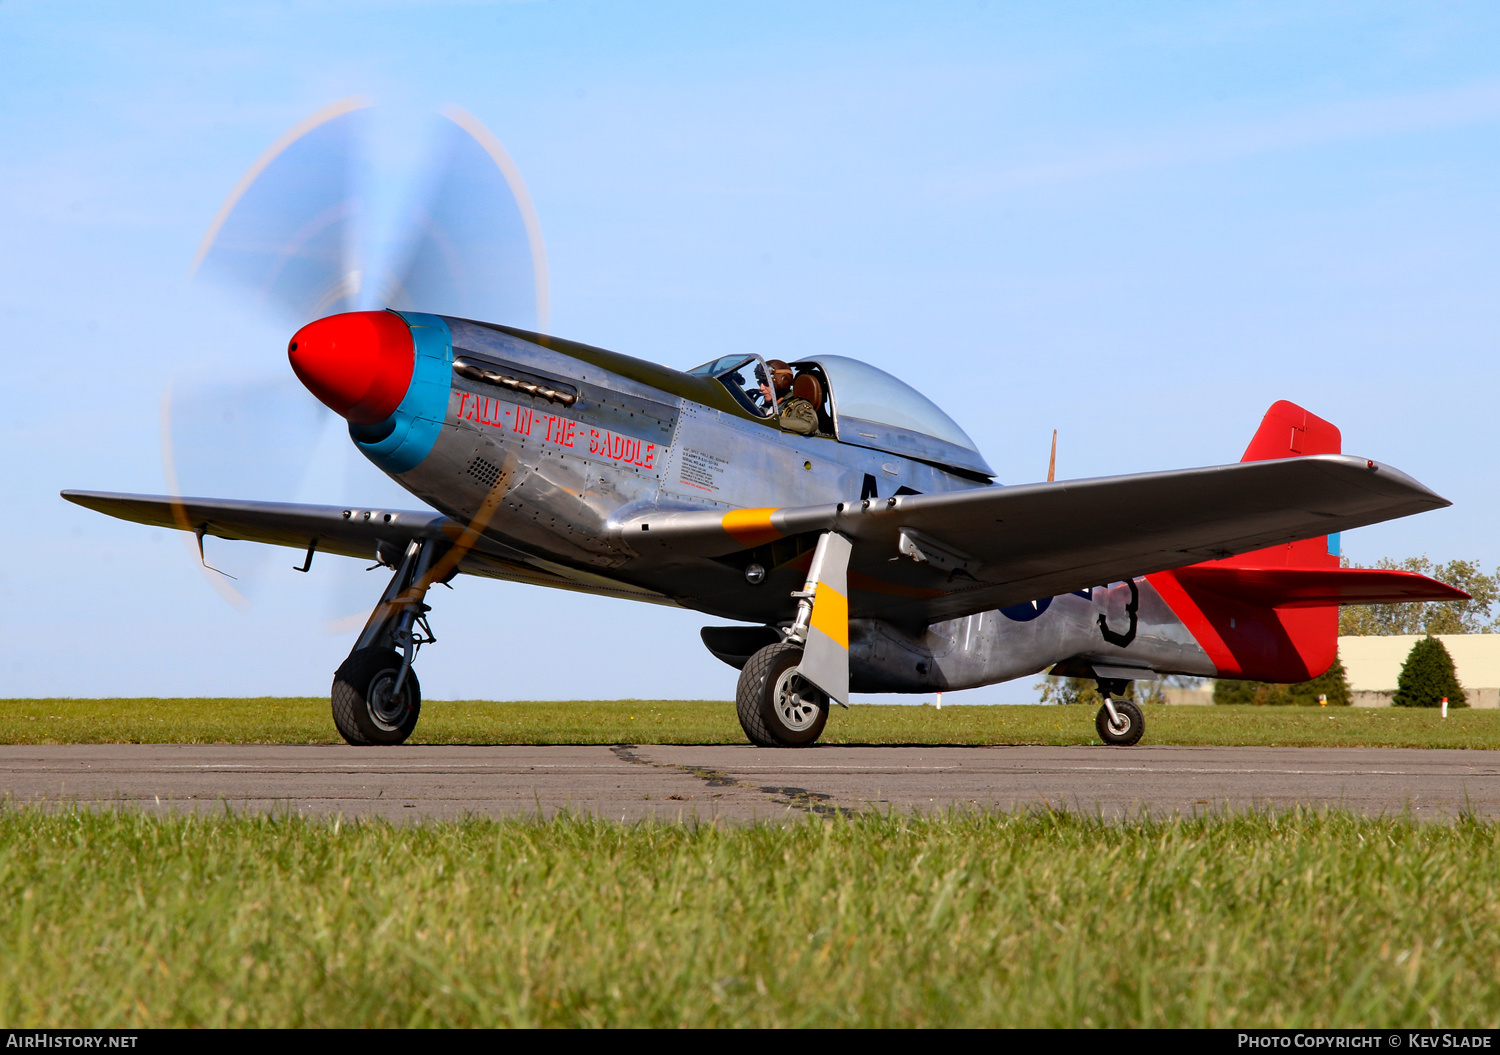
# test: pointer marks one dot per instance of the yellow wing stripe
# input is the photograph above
(751, 527)
(831, 614)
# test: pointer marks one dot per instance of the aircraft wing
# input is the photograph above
(346, 531)
(925, 558)
(350, 532)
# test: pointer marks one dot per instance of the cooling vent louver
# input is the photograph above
(485, 472)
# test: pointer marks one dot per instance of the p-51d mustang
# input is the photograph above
(839, 514)
(874, 555)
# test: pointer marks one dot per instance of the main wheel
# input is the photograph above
(1127, 730)
(777, 706)
(366, 710)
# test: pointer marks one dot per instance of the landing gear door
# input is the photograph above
(825, 655)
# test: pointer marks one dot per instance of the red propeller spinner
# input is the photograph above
(359, 364)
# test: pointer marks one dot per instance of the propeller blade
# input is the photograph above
(475, 249)
(286, 233)
(293, 233)
(249, 440)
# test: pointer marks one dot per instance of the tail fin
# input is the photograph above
(1254, 636)
(1273, 615)
(1288, 431)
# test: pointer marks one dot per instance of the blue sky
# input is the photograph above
(1139, 224)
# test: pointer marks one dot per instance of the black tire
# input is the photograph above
(1134, 725)
(797, 717)
(363, 710)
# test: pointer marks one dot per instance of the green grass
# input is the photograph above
(1296, 919)
(307, 721)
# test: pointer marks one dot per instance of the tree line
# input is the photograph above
(1478, 616)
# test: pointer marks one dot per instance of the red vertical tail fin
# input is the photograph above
(1247, 638)
(1288, 431)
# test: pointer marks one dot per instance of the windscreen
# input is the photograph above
(747, 380)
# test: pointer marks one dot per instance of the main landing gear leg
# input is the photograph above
(1119, 722)
(376, 697)
(785, 689)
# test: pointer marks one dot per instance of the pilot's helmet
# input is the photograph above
(781, 374)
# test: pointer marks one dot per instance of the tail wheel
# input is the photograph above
(777, 706)
(1124, 732)
(366, 707)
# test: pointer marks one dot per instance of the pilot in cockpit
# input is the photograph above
(767, 394)
(797, 401)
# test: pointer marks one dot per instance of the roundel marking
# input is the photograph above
(1027, 610)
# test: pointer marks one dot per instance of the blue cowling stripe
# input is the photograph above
(418, 420)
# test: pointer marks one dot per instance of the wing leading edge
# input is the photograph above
(346, 531)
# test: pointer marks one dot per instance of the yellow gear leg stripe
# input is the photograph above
(831, 614)
(751, 527)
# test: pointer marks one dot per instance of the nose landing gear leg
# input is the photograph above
(1119, 722)
(376, 697)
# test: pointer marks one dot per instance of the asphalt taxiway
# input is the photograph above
(734, 783)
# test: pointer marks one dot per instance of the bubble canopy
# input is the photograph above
(864, 391)
(874, 409)
(870, 409)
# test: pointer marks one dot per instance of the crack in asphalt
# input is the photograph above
(815, 802)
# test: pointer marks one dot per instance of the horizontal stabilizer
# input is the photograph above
(1317, 587)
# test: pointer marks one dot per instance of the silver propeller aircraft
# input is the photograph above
(844, 523)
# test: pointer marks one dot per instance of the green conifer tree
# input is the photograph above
(1427, 676)
(1334, 683)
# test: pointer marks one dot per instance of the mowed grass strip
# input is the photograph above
(308, 721)
(1296, 919)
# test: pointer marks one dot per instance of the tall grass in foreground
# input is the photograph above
(119, 919)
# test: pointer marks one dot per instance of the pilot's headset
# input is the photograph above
(781, 375)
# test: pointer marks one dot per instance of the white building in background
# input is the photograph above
(1374, 663)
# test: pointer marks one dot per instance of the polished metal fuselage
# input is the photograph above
(547, 484)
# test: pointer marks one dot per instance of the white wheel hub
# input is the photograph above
(798, 702)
